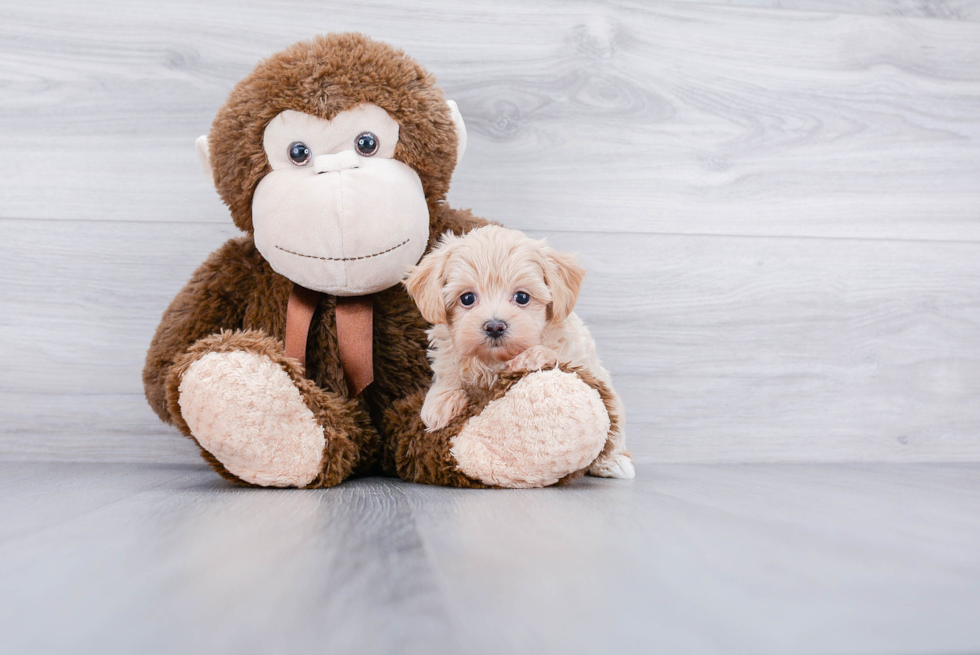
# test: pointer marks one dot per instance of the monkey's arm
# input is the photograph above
(211, 301)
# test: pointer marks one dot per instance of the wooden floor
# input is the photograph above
(778, 202)
(773, 558)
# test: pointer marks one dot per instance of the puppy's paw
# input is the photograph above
(535, 358)
(618, 465)
(441, 406)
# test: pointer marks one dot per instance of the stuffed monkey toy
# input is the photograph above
(293, 356)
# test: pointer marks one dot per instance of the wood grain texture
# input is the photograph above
(251, 572)
(779, 201)
(724, 349)
(683, 559)
(937, 9)
(653, 117)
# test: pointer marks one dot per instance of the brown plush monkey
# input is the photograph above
(293, 356)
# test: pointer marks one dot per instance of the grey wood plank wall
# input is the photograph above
(778, 202)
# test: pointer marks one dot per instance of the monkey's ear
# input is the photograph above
(564, 277)
(460, 130)
(204, 155)
(424, 284)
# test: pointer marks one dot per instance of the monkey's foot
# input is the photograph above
(548, 425)
(246, 411)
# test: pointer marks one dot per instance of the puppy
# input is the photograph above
(500, 301)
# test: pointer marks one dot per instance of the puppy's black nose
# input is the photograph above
(495, 329)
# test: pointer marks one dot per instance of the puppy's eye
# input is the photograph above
(522, 297)
(299, 153)
(467, 299)
(366, 144)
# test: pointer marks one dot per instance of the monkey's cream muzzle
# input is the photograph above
(341, 223)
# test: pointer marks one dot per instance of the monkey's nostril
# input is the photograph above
(495, 329)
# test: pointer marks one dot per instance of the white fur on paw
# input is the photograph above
(548, 425)
(441, 406)
(245, 410)
(617, 466)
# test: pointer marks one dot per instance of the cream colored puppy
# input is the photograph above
(498, 301)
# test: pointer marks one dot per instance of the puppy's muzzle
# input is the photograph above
(495, 329)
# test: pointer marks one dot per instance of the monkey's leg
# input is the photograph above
(535, 429)
(416, 455)
(259, 420)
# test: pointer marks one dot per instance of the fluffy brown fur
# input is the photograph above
(350, 436)
(422, 456)
(236, 302)
(324, 77)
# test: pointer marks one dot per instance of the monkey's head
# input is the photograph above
(331, 153)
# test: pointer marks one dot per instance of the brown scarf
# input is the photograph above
(355, 322)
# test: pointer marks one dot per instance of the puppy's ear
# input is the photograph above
(425, 281)
(564, 277)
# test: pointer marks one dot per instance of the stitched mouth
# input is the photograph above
(344, 259)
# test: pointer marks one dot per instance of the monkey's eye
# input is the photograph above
(522, 297)
(366, 144)
(467, 299)
(299, 154)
